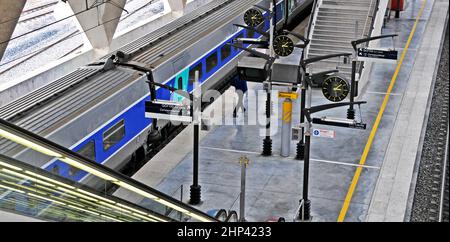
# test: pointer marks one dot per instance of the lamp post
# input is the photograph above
(267, 142)
(354, 84)
(307, 110)
(196, 119)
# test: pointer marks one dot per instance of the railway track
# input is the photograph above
(37, 8)
(37, 12)
(20, 61)
(444, 213)
(431, 201)
(25, 19)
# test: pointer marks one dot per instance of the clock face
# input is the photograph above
(253, 17)
(335, 88)
(283, 45)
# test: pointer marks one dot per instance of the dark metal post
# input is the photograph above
(154, 134)
(351, 110)
(196, 188)
(267, 143)
(181, 200)
(301, 144)
(397, 11)
(305, 210)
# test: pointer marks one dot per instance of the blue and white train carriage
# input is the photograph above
(100, 113)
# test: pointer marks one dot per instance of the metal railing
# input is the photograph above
(367, 32)
(311, 24)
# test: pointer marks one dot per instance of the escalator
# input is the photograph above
(35, 192)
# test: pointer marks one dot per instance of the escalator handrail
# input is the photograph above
(220, 213)
(232, 214)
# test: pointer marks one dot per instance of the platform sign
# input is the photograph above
(377, 55)
(165, 110)
(323, 133)
(288, 95)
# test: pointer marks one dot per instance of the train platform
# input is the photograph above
(360, 175)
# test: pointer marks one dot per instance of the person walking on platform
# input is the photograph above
(241, 90)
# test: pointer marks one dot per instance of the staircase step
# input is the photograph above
(329, 31)
(328, 41)
(334, 29)
(344, 24)
(319, 46)
(341, 19)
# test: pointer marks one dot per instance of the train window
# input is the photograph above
(73, 171)
(180, 83)
(113, 135)
(211, 62)
(198, 68)
(55, 169)
(225, 51)
(88, 150)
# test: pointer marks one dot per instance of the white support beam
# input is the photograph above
(99, 20)
(177, 7)
(10, 12)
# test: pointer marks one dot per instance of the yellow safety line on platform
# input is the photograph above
(362, 162)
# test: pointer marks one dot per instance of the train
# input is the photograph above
(98, 110)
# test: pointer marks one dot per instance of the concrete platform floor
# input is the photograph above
(274, 184)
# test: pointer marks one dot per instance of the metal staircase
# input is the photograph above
(334, 24)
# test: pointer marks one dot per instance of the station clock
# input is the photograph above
(335, 88)
(253, 17)
(283, 45)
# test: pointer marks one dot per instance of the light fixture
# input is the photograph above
(77, 194)
(49, 179)
(94, 195)
(24, 187)
(140, 212)
(144, 217)
(46, 198)
(110, 218)
(10, 166)
(12, 189)
(27, 177)
(136, 190)
(162, 201)
(29, 144)
(83, 210)
(131, 209)
(88, 169)
(114, 207)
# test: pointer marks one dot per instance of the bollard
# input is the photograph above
(286, 124)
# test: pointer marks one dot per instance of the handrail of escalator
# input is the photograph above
(232, 217)
(222, 215)
(369, 34)
(311, 18)
(50, 148)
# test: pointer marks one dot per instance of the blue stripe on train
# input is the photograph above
(134, 117)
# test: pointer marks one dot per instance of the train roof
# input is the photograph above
(53, 109)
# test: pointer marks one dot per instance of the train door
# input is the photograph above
(181, 83)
